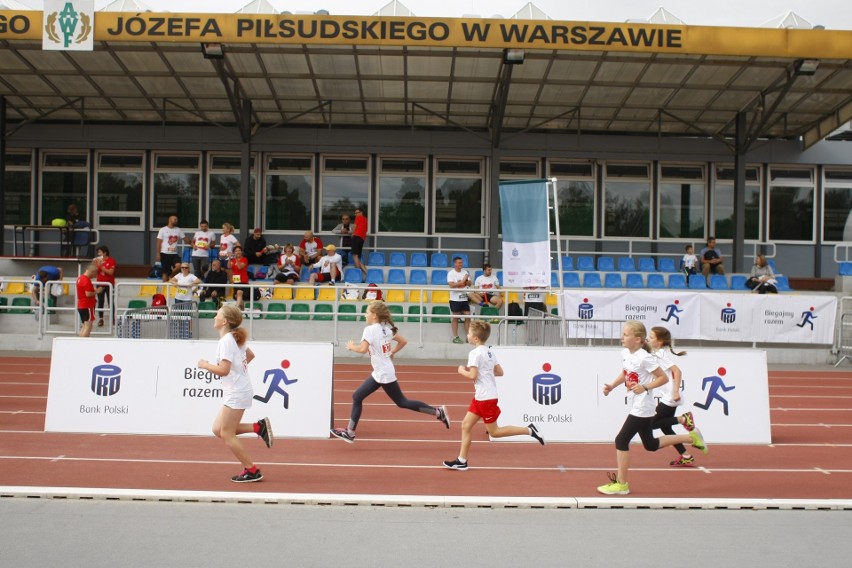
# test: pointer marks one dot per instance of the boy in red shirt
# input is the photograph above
(359, 236)
(86, 299)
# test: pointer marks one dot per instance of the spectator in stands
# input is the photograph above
(344, 229)
(330, 267)
(310, 249)
(239, 276)
(689, 262)
(227, 243)
(359, 237)
(215, 276)
(186, 282)
(289, 266)
(72, 217)
(168, 240)
(458, 279)
(711, 260)
(534, 299)
(483, 283)
(762, 277)
(106, 275)
(44, 275)
(202, 241)
(256, 249)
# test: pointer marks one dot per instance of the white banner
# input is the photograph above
(526, 264)
(68, 25)
(796, 319)
(139, 386)
(560, 391)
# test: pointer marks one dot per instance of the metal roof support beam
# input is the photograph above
(740, 149)
(448, 119)
(301, 114)
(234, 98)
(48, 113)
(715, 136)
(167, 101)
(828, 125)
(574, 110)
(498, 105)
(766, 113)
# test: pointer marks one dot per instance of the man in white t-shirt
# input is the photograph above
(168, 239)
(458, 279)
(202, 242)
(330, 267)
(486, 286)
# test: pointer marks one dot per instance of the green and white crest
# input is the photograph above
(69, 25)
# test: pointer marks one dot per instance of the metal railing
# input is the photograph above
(177, 321)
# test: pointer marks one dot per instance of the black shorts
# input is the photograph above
(168, 262)
(459, 307)
(357, 246)
(86, 314)
(286, 277)
(326, 277)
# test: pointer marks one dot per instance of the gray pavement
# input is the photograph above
(51, 532)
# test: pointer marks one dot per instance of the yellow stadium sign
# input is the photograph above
(447, 32)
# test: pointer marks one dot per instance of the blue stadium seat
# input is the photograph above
(591, 280)
(613, 280)
(462, 255)
(606, 264)
(567, 263)
(718, 282)
(376, 259)
(570, 279)
(677, 281)
(646, 264)
(738, 282)
(477, 274)
(783, 284)
(626, 264)
(438, 278)
(396, 276)
(418, 277)
(554, 279)
(845, 269)
(634, 280)
(439, 260)
(656, 281)
(419, 259)
(585, 263)
(305, 274)
(666, 264)
(397, 259)
(500, 277)
(353, 275)
(697, 282)
(771, 263)
(375, 276)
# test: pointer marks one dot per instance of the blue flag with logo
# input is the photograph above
(526, 237)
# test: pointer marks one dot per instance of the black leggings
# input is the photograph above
(369, 386)
(103, 299)
(664, 419)
(636, 425)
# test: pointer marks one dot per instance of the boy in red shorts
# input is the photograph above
(483, 368)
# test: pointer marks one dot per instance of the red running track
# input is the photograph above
(400, 452)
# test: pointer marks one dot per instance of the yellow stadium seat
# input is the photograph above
(327, 294)
(305, 293)
(282, 293)
(440, 297)
(148, 289)
(414, 296)
(15, 288)
(552, 300)
(395, 296)
(513, 297)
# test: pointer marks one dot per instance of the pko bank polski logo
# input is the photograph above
(74, 21)
(585, 311)
(106, 379)
(547, 387)
(728, 314)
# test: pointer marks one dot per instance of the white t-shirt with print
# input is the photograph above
(486, 282)
(226, 245)
(453, 276)
(380, 338)
(237, 381)
(326, 262)
(203, 242)
(184, 286)
(486, 383)
(666, 392)
(171, 237)
(638, 368)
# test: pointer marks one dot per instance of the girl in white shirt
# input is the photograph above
(377, 340)
(640, 373)
(227, 242)
(232, 359)
(664, 418)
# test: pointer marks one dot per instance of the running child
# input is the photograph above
(669, 393)
(232, 359)
(377, 340)
(641, 373)
(482, 368)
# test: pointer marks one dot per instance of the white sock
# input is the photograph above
(461, 459)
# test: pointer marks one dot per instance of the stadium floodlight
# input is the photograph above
(806, 67)
(213, 50)
(513, 56)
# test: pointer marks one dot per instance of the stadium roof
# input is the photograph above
(394, 71)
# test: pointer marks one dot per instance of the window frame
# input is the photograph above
(791, 183)
(603, 212)
(138, 217)
(657, 231)
(155, 155)
(832, 184)
(324, 174)
(45, 168)
(482, 176)
(424, 173)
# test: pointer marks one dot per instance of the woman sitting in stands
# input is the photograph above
(762, 277)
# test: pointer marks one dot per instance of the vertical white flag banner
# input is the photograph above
(526, 240)
(68, 26)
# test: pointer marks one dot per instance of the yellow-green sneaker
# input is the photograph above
(615, 488)
(698, 440)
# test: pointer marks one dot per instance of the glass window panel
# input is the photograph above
(837, 218)
(527, 169)
(288, 201)
(229, 163)
(723, 211)
(682, 172)
(838, 175)
(119, 191)
(397, 165)
(18, 159)
(458, 205)
(120, 161)
(472, 167)
(576, 208)
(224, 205)
(58, 191)
(681, 210)
(568, 169)
(59, 160)
(627, 170)
(627, 212)
(794, 174)
(17, 187)
(290, 163)
(728, 173)
(791, 214)
(402, 204)
(124, 221)
(168, 161)
(342, 194)
(345, 165)
(176, 194)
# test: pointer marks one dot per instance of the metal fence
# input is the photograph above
(547, 330)
(178, 321)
